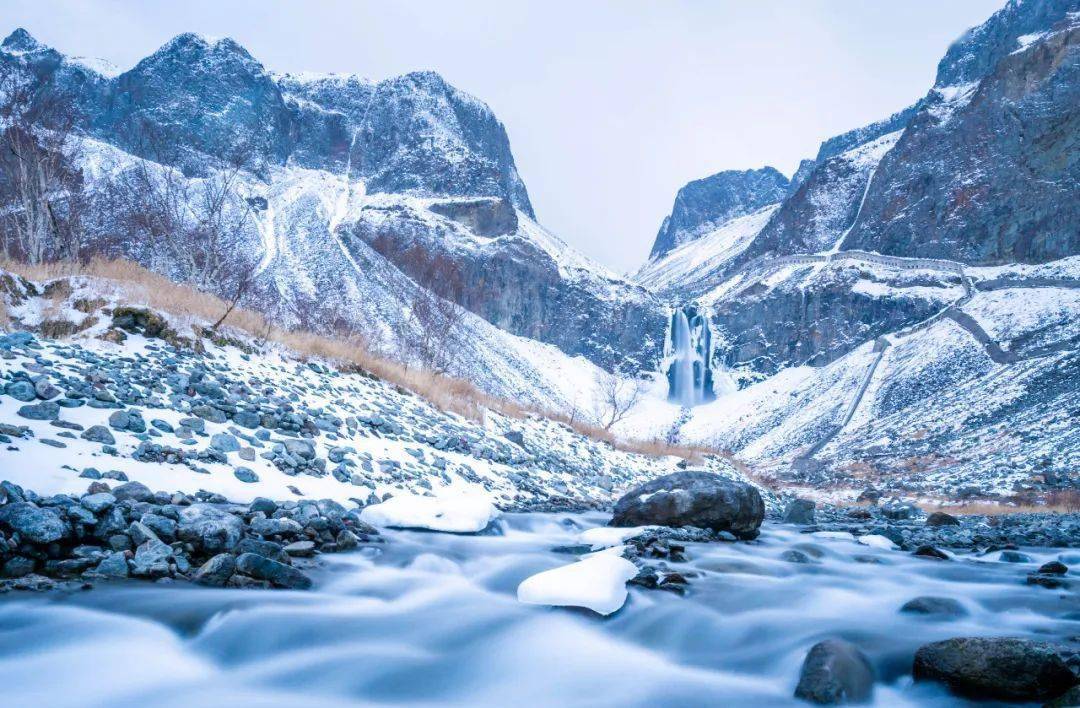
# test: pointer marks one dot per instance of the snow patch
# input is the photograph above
(597, 583)
(457, 513)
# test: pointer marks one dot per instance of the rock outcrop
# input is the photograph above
(699, 499)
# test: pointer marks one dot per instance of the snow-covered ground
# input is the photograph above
(350, 436)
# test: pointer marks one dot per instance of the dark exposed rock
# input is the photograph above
(835, 672)
(216, 571)
(32, 522)
(928, 551)
(135, 491)
(705, 204)
(212, 529)
(699, 499)
(940, 518)
(938, 606)
(279, 574)
(996, 668)
(800, 511)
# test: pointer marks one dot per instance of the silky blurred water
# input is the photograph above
(432, 620)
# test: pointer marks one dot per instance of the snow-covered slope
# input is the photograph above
(246, 419)
(907, 315)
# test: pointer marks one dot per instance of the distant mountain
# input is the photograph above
(345, 179)
(705, 204)
(912, 266)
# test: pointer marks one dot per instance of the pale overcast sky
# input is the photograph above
(611, 106)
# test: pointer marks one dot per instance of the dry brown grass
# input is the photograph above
(137, 286)
(1058, 501)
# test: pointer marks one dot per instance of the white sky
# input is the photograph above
(611, 105)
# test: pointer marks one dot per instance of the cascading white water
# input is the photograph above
(684, 387)
(689, 354)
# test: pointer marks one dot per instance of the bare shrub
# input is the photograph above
(616, 397)
(41, 192)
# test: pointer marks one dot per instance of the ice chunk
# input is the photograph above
(607, 536)
(834, 535)
(877, 541)
(597, 583)
(459, 513)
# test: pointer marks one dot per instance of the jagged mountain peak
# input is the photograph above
(21, 41)
(201, 52)
(707, 203)
(978, 51)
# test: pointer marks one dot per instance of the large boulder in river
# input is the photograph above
(701, 499)
(995, 668)
(835, 672)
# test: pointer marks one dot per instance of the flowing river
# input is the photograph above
(432, 619)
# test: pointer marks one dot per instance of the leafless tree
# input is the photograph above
(41, 197)
(616, 397)
(438, 319)
(195, 222)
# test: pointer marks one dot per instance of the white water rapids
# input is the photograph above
(432, 619)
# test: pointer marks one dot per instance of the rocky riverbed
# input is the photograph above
(432, 618)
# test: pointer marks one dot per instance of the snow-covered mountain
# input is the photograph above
(906, 313)
(361, 197)
(900, 311)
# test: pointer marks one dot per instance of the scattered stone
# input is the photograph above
(800, 511)
(46, 410)
(927, 551)
(995, 668)
(938, 606)
(216, 571)
(835, 672)
(300, 549)
(135, 491)
(940, 518)
(115, 565)
(245, 474)
(210, 528)
(98, 434)
(278, 574)
(31, 522)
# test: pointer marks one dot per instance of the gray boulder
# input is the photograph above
(216, 571)
(114, 565)
(995, 668)
(800, 511)
(835, 672)
(46, 410)
(279, 574)
(700, 499)
(32, 523)
(21, 391)
(135, 491)
(210, 528)
(937, 606)
(98, 434)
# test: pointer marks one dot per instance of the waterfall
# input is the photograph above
(689, 358)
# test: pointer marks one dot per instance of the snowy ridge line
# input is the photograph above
(768, 264)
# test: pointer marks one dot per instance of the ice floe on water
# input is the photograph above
(453, 512)
(597, 582)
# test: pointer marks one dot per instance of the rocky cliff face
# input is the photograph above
(705, 204)
(913, 268)
(987, 170)
(982, 170)
(360, 172)
(198, 104)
